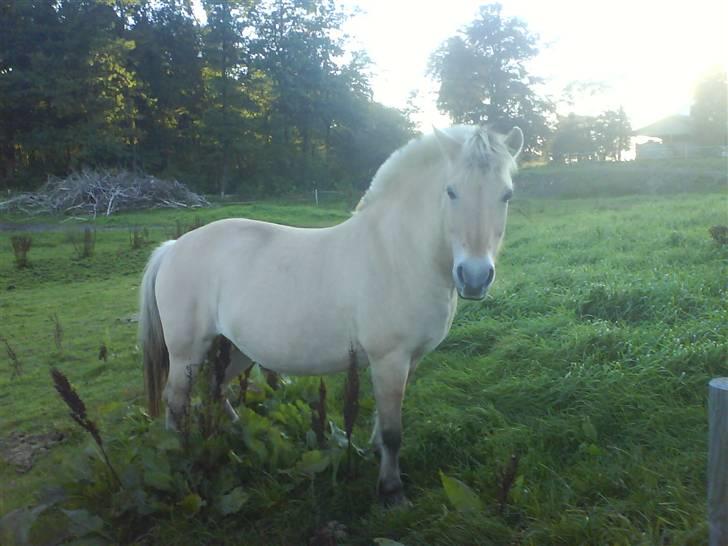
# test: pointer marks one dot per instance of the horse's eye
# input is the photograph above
(507, 196)
(451, 193)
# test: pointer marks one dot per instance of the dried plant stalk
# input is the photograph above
(506, 479)
(351, 401)
(15, 365)
(243, 382)
(138, 237)
(318, 416)
(78, 413)
(57, 331)
(21, 246)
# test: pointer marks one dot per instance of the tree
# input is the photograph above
(588, 138)
(483, 77)
(710, 110)
(612, 132)
(257, 99)
(226, 52)
(168, 63)
(573, 139)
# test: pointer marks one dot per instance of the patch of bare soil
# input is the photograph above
(20, 449)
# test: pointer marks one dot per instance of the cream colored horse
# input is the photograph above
(384, 282)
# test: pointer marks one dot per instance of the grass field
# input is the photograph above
(589, 360)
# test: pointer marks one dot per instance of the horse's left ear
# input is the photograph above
(448, 145)
(514, 141)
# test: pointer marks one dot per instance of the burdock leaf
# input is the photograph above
(83, 523)
(191, 504)
(15, 526)
(460, 495)
(232, 502)
(312, 462)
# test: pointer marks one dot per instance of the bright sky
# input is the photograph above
(649, 53)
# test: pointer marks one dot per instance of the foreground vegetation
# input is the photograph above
(588, 361)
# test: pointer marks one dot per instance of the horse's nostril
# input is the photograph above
(491, 274)
(461, 276)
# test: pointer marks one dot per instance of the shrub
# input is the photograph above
(213, 469)
(21, 247)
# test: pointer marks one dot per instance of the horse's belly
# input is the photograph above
(309, 343)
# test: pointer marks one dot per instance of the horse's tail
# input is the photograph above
(151, 336)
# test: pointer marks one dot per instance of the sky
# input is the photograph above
(648, 54)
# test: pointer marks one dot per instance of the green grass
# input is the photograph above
(589, 359)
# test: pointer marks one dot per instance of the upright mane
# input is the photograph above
(482, 148)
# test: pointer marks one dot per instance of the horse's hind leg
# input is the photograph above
(184, 364)
(239, 363)
(182, 372)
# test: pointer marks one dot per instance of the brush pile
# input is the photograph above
(103, 192)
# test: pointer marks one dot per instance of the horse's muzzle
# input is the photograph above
(473, 276)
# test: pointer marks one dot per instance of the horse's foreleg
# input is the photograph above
(389, 378)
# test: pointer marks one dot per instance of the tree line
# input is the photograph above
(263, 97)
(258, 99)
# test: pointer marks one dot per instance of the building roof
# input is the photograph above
(671, 126)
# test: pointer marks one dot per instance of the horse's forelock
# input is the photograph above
(485, 150)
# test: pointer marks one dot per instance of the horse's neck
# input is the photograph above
(411, 227)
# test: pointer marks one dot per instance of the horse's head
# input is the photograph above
(475, 199)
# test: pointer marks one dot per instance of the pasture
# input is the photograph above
(588, 360)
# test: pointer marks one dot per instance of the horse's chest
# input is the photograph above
(418, 328)
(437, 327)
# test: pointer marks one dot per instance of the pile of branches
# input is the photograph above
(103, 192)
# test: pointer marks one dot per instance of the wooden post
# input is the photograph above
(718, 461)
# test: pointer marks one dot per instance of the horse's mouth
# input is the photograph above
(466, 294)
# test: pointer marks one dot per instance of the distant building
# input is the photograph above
(677, 138)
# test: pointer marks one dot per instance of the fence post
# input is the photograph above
(718, 461)
(315, 195)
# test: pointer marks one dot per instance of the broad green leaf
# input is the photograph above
(312, 462)
(83, 523)
(168, 441)
(191, 504)
(460, 495)
(232, 502)
(15, 526)
(158, 480)
(387, 542)
(157, 472)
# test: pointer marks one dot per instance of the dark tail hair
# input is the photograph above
(151, 336)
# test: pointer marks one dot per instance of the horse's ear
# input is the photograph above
(514, 141)
(449, 146)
